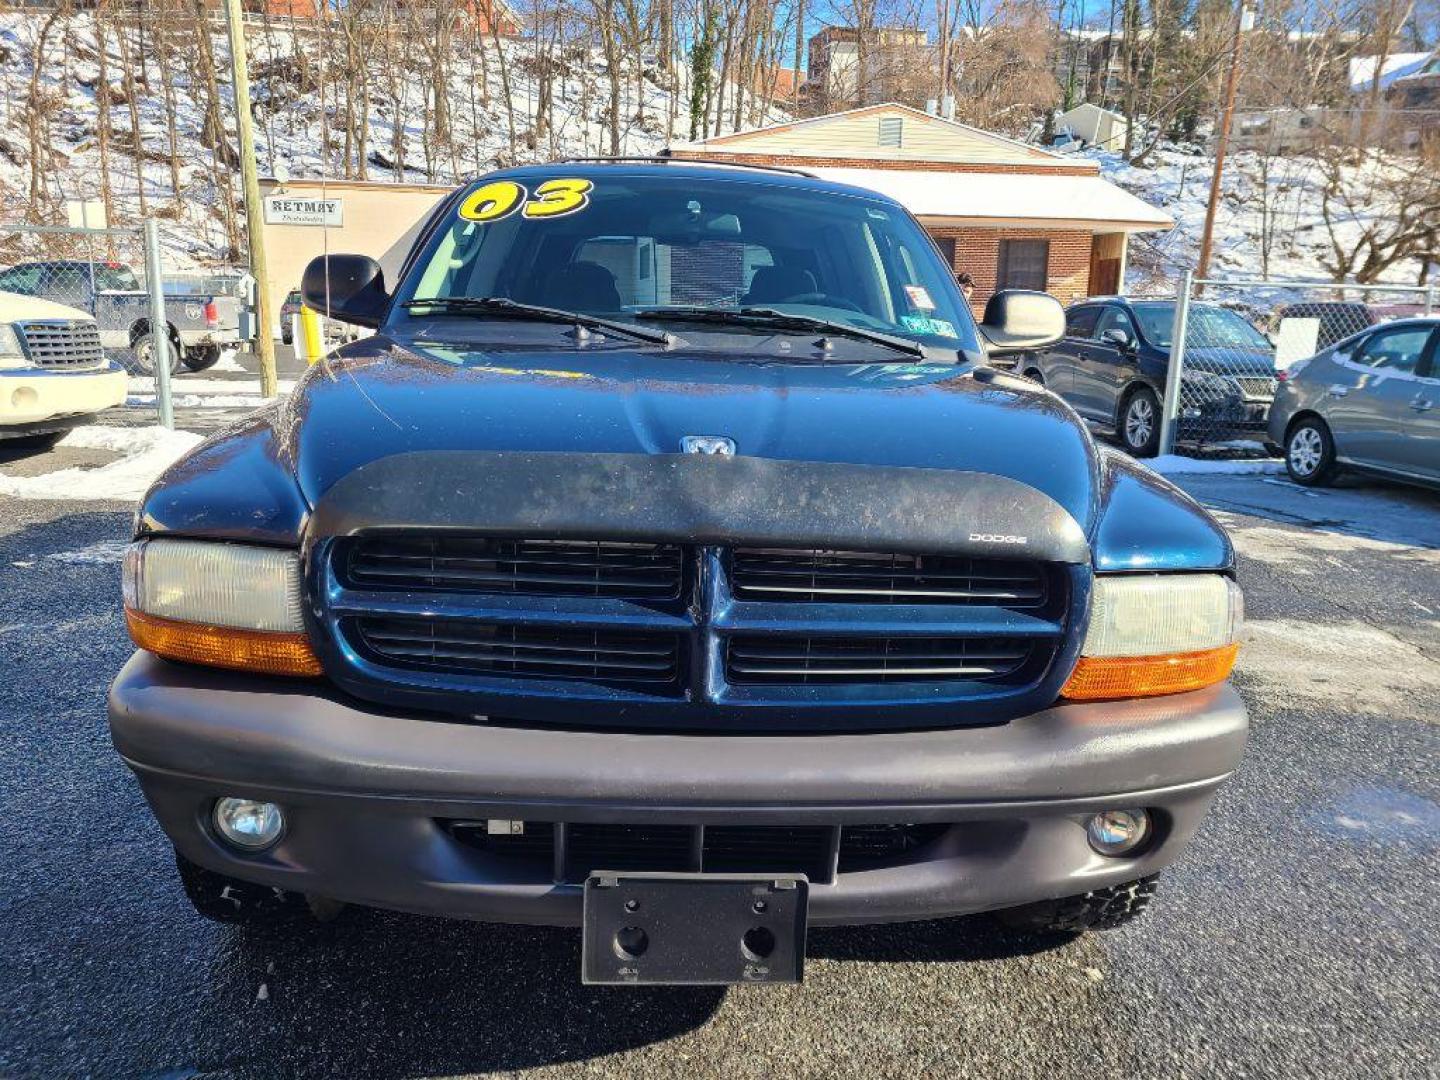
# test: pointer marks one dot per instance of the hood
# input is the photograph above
(1228, 361)
(386, 399)
(16, 306)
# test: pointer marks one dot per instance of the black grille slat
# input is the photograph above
(822, 576)
(808, 849)
(498, 566)
(62, 344)
(756, 659)
(508, 650)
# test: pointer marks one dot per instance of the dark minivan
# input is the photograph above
(1111, 368)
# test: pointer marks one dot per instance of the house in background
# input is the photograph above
(1009, 214)
(894, 62)
(1094, 126)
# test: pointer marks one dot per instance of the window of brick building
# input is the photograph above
(946, 244)
(1024, 264)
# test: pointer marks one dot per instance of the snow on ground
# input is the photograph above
(200, 393)
(1268, 224)
(147, 452)
(1174, 465)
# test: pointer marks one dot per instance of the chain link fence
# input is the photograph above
(1230, 342)
(116, 277)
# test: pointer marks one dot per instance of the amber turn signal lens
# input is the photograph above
(223, 646)
(1100, 678)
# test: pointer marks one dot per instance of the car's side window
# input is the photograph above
(1080, 322)
(1394, 351)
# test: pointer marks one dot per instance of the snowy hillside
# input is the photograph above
(292, 72)
(1270, 221)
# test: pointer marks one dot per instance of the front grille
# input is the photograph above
(477, 564)
(513, 651)
(571, 852)
(1256, 388)
(803, 660)
(867, 846)
(648, 635)
(62, 343)
(860, 577)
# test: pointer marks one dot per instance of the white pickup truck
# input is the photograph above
(53, 372)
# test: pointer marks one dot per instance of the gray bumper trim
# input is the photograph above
(264, 734)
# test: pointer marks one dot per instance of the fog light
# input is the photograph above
(1115, 832)
(248, 824)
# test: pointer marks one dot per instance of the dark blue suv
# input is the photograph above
(671, 563)
(1111, 366)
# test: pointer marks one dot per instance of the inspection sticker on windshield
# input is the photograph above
(551, 199)
(920, 297)
(923, 324)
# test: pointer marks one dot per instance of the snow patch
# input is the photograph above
(147, 451)
(229, 361)
(102, 553)
(1175, 465)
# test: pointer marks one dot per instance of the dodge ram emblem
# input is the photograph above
(708, 444)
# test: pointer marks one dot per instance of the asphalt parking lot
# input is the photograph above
(1297, 938)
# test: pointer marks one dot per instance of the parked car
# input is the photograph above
(1370, 402)
(670, 564)
(53, 372)
(288, 310)
(1339, 319)
(1111, 367)
(199, 325)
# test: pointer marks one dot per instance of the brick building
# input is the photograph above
(1009, 214)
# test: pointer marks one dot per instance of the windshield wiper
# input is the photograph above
(502, 307)
(783, 320)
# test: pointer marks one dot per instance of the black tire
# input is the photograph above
(1035, 375)
(285, 337)
(224, 899)
(1102, 909)
(1310, 453)
(1139, 427)
(143, 353)
(201, 357)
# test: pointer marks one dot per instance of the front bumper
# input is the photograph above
(365, 793)
(29, 395)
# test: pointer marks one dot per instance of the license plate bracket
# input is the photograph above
(693, 929)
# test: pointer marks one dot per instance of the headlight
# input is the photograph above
(229, 605)
(1157, 634)
(10, 352)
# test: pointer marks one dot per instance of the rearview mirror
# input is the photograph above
(350, 288)
(1017, 320)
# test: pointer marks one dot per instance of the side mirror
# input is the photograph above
(1017, 320)
(1116, 336)
(350, 288)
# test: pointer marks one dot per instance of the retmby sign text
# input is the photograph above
(298, 210)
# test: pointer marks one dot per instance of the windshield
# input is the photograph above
(1209, 327)
(620, 245)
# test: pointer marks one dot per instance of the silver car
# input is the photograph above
(1370, 402)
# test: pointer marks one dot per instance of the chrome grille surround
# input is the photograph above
(1256, 388)
(61, 343)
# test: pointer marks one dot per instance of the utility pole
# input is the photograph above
(254, 216)
(1244, 20)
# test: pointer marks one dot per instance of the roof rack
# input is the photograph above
(666, 158)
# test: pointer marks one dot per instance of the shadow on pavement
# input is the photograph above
(384, 995)
(942, 941)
